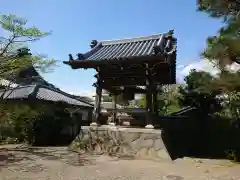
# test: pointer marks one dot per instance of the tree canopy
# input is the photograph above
(14, 53)
(199, 92)
(223, 47)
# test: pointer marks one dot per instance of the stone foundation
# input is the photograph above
(119, 141)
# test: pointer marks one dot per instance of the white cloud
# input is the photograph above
(203, 65)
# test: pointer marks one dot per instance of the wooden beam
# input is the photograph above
(116, 89)
(76, 64)
(126, 82)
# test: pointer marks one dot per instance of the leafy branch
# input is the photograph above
(14, 55)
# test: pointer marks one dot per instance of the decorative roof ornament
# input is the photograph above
(80, 56)
(170, 33)
(70, 57)
(93, 43)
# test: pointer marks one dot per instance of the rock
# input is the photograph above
(150, 136)
(115, 150)
(85, 138)
(142, 152)
(163, 154)
(152, 153)
(147, 143)
(141, 143)
(126, 150)
(102, 134)
(136, 144)
(129, 137)
(98, 148)
(158, 144)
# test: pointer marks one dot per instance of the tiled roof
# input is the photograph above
(30, 76)
(41, 92)
(18, 93)
(125, 48)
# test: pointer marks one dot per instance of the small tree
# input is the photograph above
(199, 92)
(15, 57)
(14, 54)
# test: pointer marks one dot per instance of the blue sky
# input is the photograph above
(75, 23)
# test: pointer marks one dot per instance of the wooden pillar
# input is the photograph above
(149, 98)
(97, 106)
(155, 102)
(114, 102)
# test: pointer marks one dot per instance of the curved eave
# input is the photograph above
(75, 64)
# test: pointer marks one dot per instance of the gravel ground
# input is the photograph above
(56, 163)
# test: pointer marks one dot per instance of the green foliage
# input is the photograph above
(232, 107)
(14, 56)
(23, 121)
(232, 155)
(167, 100)
(228, 81)
(199, 92)
(17, 120)
(142, 102)
(223, 48)
(220, 8)
(119, 99)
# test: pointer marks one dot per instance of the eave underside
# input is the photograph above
(88, 64)
(112, 79)
(131, 72)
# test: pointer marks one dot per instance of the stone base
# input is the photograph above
(93, 124)
(130, 142)
(149, 126)
(112, 124)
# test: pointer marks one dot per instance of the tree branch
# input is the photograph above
(27, 40)
(7, 45)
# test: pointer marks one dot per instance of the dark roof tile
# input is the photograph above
(125, 48)
(44, 93)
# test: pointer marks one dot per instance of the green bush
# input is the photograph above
(16, 121)
(34, 122)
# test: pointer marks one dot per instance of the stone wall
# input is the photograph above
(123, 142)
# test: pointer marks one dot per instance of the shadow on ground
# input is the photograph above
(16, 155)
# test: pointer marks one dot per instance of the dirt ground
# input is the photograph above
(57, 163)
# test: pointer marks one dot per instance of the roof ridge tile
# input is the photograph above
(131, 40)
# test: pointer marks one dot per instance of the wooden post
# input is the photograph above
(149, 96)
(97, 106)
(155, 105)
(114, 109)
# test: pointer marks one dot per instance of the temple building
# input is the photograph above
(124, 65)
(29, 85)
